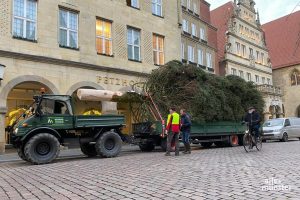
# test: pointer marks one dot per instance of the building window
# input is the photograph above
(133, 3)
(241, 74)
(191, 55)
(295, 78)
(185, 26)
(24, 19)
(238, 48)
(249, 77)
(257, 56)
(68, 28)
(103, 37)
(200, 57)
(133, 44)
(262, 57)
(195, 8)
(194, 32)
(202, 34)
(182, 51)
(256, 78)
(263, 80)
(268, 81)
(157, 7)
(209, 60)
(243, 50)
(233, 71)
(158, 49)
(188, 4)
(251, 56)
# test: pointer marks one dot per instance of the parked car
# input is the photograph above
(281, 129)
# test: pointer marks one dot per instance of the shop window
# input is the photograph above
(104, 37)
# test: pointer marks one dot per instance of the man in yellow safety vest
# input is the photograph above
(172, 131)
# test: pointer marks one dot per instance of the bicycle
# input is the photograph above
(249, 140)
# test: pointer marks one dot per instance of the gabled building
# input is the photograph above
(283, 41)
(242, 49)
(199, 36)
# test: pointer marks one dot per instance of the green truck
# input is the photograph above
(150, 134)
(39, 136)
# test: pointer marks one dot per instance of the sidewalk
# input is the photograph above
(11, 154)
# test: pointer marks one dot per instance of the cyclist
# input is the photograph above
(253, 119)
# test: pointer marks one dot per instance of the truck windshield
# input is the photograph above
(274, 122)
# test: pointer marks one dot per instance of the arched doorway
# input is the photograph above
(18, 101)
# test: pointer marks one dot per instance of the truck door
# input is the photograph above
(56, 114)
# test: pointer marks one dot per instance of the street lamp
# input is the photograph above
(1, 71)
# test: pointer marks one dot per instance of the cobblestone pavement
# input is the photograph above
(216, 173)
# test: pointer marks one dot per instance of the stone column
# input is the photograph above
(109, 107)
(2, 130)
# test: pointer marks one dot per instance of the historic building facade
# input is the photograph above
(64, 45)
(284, 33)
(242, 49)
(198, 37)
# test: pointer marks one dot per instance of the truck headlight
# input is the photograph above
(16, 130)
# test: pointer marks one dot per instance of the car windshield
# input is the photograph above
(273, 122)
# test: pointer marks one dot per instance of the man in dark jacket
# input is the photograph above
(253, 118)
(185, 128)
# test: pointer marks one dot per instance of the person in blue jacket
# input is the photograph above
(185, 128)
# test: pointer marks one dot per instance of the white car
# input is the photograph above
(281, 129)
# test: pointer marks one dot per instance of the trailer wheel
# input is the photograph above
(147, 147)
(21, 153)
(88, 149)
(206, 144)
(42, 148)
(233, 141)
(108, 145)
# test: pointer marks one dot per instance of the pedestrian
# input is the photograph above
(185, 128)
(172, 131)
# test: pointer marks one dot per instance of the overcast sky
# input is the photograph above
(268, 9)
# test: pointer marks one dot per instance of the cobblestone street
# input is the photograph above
(216, 173)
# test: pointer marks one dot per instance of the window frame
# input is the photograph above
(156, 4)
(185, 25)
(133, 45)
(103, 38)
(201, 52)
(68, 29)
(249, 76)
(209, 61)
(191, 57)
(194, 29)
(26, 20)
(202, 34)
(131, 4)
(157, 51)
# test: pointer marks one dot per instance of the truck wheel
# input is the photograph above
(163, 144)
(147, 147)
(88, 149)
(206, 144)
(220, 144)
(108, 145)
(241, 140)
(21, 153)
(42, 148)
(233, 141)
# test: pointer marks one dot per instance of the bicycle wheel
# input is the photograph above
(247, 142)
(259, 144)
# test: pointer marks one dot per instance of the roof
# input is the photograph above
(283, 40)
(219, 18)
